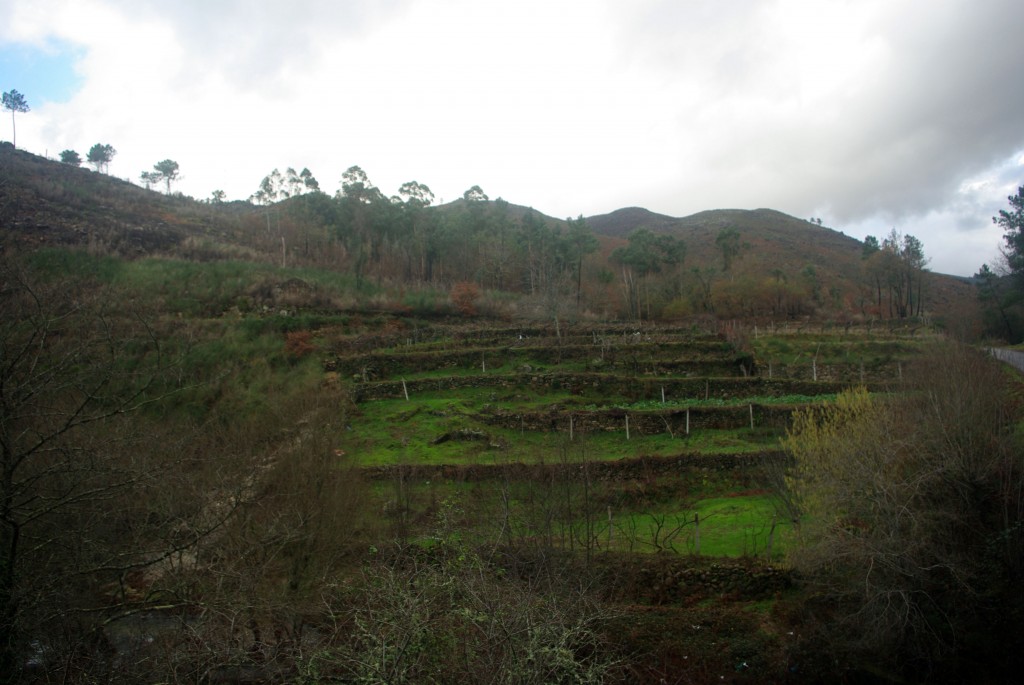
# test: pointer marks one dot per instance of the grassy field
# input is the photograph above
(728, 512)
(735, 521)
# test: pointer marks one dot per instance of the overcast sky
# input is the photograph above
(872, 115)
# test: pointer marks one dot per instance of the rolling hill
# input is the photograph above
(43, 202)
(775, 243)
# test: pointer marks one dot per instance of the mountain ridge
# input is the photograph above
(44, 202)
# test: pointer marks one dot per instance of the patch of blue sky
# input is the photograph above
(40, 73)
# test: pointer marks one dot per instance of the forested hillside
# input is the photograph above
(508, 259)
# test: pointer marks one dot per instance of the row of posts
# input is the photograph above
(571, 422)
(771, 373)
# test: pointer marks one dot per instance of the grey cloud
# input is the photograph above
(946, 106)
(947, 109)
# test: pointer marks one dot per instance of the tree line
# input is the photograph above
(101, 154)
(1001, 285)
(400, 238)
(405, 239)
(896, 267)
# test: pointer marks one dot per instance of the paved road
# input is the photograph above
(1012, 357)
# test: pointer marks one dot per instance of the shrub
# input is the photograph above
(913, 536)
(298, 344)
(464, 296)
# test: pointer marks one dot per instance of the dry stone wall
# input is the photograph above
(675, 358)
(672, 421)
(619, 470)
(671, 580)
(631, 388)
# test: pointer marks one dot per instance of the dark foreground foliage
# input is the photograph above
(913, 541)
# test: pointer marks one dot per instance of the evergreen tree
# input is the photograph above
(14, 102)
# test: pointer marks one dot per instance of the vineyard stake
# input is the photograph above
(696, 533)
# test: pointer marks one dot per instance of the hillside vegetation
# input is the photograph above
(361, 439)
(722, 263)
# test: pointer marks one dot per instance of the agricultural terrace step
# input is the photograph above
(660, 580)
(644, 582)
(650, 358)
(621, 329)
(602, 347)
(837, 330)
(409, 344)
(611, 385)
(442, 336)
(619, 470)
(673, 421)
(875, 374)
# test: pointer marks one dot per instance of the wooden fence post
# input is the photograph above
(696, 533)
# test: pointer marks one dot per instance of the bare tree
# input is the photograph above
(96, 501)
(453, 618)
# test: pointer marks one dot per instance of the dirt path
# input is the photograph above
(1014, 358)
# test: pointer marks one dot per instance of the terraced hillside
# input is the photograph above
(648, 453)
(493, 396)
(624, 407)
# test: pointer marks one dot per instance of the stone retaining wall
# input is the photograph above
(618, 470)
(678, 580)
(672, 579)
(890, 372)
(642, 422)
(610, 385)
(638, 359)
